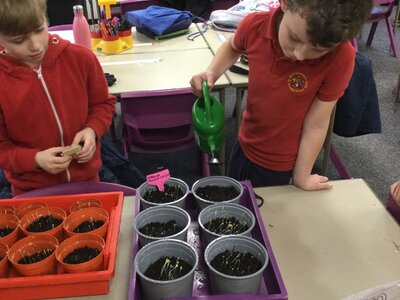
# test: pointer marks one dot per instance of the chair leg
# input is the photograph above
(204, 165)
(372, 33)
(391, 37)
(339, 165)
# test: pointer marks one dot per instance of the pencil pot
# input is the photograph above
(95, 38)
(111, 44)
(126, 36)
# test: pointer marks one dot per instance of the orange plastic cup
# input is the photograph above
(79, 241)
(26, 207)
(90, 214)
(3, 260)
(29, 246)
(34, 215)
(12, 222)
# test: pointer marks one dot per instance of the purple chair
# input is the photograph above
(60, 27)
(393, 208)
(82, 187)
(380, 13)
(159, 122)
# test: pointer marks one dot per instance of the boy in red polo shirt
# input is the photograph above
(300, 63)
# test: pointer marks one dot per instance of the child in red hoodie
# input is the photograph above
(53, 95)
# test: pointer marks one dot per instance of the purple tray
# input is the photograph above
(272, 286)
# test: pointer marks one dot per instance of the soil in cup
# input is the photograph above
(236, 263)
(81, 255)
(44, 223)
(226, 226)
(168, 268)
(88, 226)
(6, 231)
(36, 257)
(170, 194)
(158, 229)
(217, 193)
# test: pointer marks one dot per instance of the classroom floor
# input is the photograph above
(374, 157)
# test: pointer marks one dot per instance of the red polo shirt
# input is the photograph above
(282, 90)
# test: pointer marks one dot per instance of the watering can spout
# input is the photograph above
(208, 123)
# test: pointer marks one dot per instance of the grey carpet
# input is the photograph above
(374, 157)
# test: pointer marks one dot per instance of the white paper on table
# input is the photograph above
(388, 291)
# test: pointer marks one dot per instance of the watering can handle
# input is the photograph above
(207, 102)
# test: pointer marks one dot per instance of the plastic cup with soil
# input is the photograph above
(216, 189)
(81, 253)
(44, 220)
(236, 264)
(6, 209)
(166, 269)
(223, 219)
(28, 206)
(3, 260)
(175, 193)
(92, 219)
(34, 255)
(9, 229)
(85, 203)
(162, 222)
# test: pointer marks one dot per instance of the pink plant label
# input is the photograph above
(158, 179)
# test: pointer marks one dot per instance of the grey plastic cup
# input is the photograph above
(226, 284)
(217, 181)
(224, 210)
(141, 190)
(157, 289)
(162, 214)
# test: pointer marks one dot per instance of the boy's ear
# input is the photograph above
(283, 5)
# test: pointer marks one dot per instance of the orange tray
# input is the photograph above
(63, 284)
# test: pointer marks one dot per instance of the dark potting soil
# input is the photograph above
(81, 254)
(44, 223)
(217, 193)
(168, 268)
(5, 231)
(226, 226)
(170, 194)
(236, 263)
(88, 226)
(157, 229)
(34, 258)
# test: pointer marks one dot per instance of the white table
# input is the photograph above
(333, 243)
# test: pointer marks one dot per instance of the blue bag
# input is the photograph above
(157, 20)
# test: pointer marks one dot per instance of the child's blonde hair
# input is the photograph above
(19, 17)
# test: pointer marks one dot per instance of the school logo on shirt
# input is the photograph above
(297, 82)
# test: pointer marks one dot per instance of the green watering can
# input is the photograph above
(208, 123)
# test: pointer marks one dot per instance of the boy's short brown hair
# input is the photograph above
(330, 22)
(19, 17)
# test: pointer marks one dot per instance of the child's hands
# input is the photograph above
(395, 192)
(313, 182)
(86, 138)
(196, 82)
(51, 161)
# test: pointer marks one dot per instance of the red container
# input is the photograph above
(64, 284)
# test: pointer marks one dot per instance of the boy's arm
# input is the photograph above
(225, 57)
(313, 134)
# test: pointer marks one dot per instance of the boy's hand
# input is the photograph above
(313, 182)
(86, 138)
(51, 161)
(196, 82)
(395, 192)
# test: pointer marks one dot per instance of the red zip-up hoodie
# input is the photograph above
(45, 108)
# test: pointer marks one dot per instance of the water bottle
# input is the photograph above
(80, 28)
